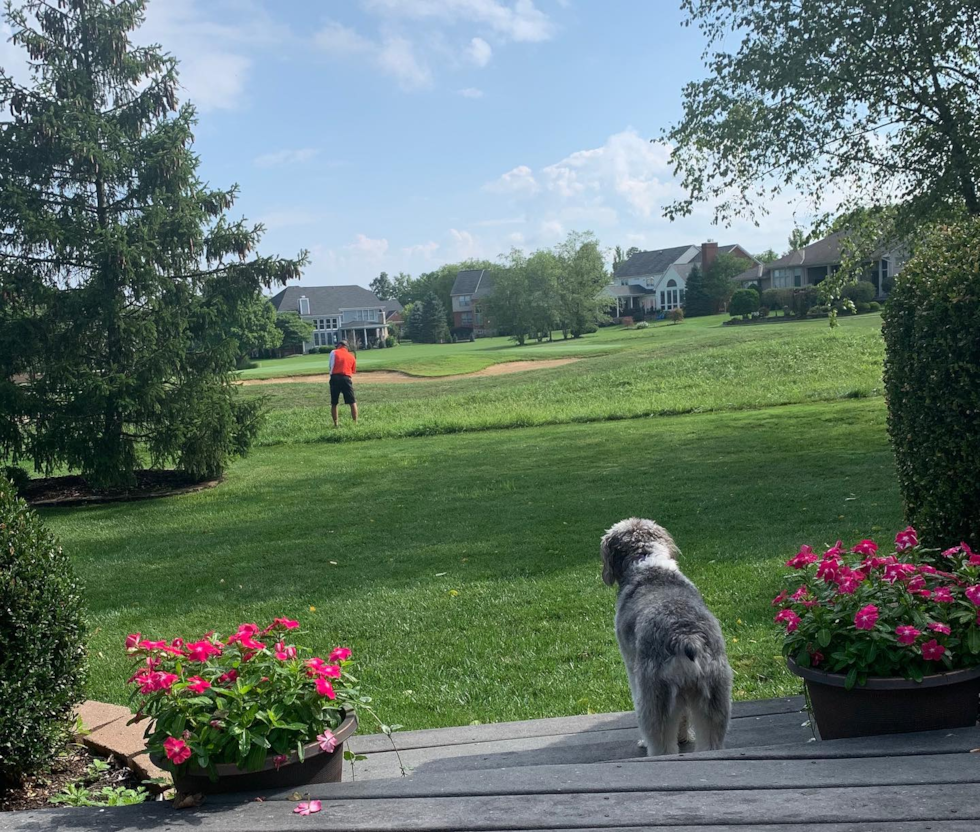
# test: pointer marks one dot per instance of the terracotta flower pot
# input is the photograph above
(317, 767)
(890, 705)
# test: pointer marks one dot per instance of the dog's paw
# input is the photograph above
(641, 743)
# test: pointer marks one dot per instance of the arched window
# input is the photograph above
(671, 284)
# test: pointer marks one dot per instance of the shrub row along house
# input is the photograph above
(336, 312)
(809, 265)
(656, 281)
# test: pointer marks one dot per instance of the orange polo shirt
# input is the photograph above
(344, 363)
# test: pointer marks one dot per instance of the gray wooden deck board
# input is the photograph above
(650, 810)
(561, 749)
(554, 726)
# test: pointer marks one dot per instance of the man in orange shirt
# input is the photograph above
(343, 365)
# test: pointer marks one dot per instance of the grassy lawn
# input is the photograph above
(460, 561)
(667, 370)
(434, 360)
(467, 573)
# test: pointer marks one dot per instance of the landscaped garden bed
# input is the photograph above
(75, 490)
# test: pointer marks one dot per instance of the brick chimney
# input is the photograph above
(709, 253)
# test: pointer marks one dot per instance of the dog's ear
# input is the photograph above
(616, 547)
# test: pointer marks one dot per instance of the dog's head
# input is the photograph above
(632, 540)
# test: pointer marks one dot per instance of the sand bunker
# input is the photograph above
(396, 377)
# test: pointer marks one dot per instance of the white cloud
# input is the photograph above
(519, 181)
(519, 21)
(397, 58)
(393, 55)
(424, 250)
(339, 40)
(470, 92)
(368, 248)
(285, 157)
(216, 57)
(465, 245)
(479, 52)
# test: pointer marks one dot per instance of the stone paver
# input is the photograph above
(95, 715)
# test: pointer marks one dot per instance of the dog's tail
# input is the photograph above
(690, 653)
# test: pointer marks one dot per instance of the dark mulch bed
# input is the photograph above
(35, 792)
(75, 490)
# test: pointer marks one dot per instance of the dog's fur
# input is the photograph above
(672, 645)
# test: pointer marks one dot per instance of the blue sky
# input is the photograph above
(402, 134)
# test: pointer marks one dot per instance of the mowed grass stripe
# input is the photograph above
(467, 577)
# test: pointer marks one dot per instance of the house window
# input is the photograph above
(671, 297)
(466, 318)
(663, 299)
(883, 279)
(650, 281)
(465, 300)
(787, 278)
(304, 306)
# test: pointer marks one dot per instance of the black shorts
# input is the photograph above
(338, 385)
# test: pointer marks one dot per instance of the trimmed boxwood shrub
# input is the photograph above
(42, 656)
(932, 384)
(861, 307)
(744, 302)
(874, 306)
(861, 292)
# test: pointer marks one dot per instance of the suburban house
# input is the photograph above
(470, 286)
(656, 281)
(336, 312)
(809, 265)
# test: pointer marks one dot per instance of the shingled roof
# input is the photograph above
(474, 282)
(821, 253)
(329, 300)
(650, 262)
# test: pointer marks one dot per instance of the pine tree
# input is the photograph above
(122, 281)
(434, 328)
(697, 301)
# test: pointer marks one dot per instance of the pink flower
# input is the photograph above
(279, 759)
(201, 651)
(926, 569)
(936, 627)
(283, 652)
(907, 634)
(932, 650)
(906, 539)
(802, 558)
(133, 640)
(178, 751)
(898, 572)
(816, 657)
(245, 640)
(917, 583)
(330, 671)
(866, 547)
(197, 685)
(248, 629)
(866, 617)
(835, 551)
(151, 682)
(327, 741)
(951, 553)
(340, 654)
(791, 618)
(778, 600)
(324, 688)
(286, 623)
(310, 808)
(973, 593)
(230, 676)
(828, 570)
(314, 666)
(848, 579)
(942, 595)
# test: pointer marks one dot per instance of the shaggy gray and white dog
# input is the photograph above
(672, 645)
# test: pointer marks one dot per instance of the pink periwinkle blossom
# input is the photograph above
(177, 751)
(340, 654)
(791, 618)
(327, 741)
(324, 688)
(308, 807)
(936, 627)
(932, 650)
(907, 634)
(906, 539)
(196, 684)
(942, 595)
(867, 548)
(802, 559)
(866, 617)
(201, 651)
(778, 600)
(973, 593)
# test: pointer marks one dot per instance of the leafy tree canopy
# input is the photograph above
(294, 330)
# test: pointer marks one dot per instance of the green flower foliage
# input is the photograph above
(42, 656)
(932, 382)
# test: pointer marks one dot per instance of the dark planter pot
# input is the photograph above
(317, 767)
(890, 705)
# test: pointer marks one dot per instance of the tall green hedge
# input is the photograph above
(42, 656)
(932, 382)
